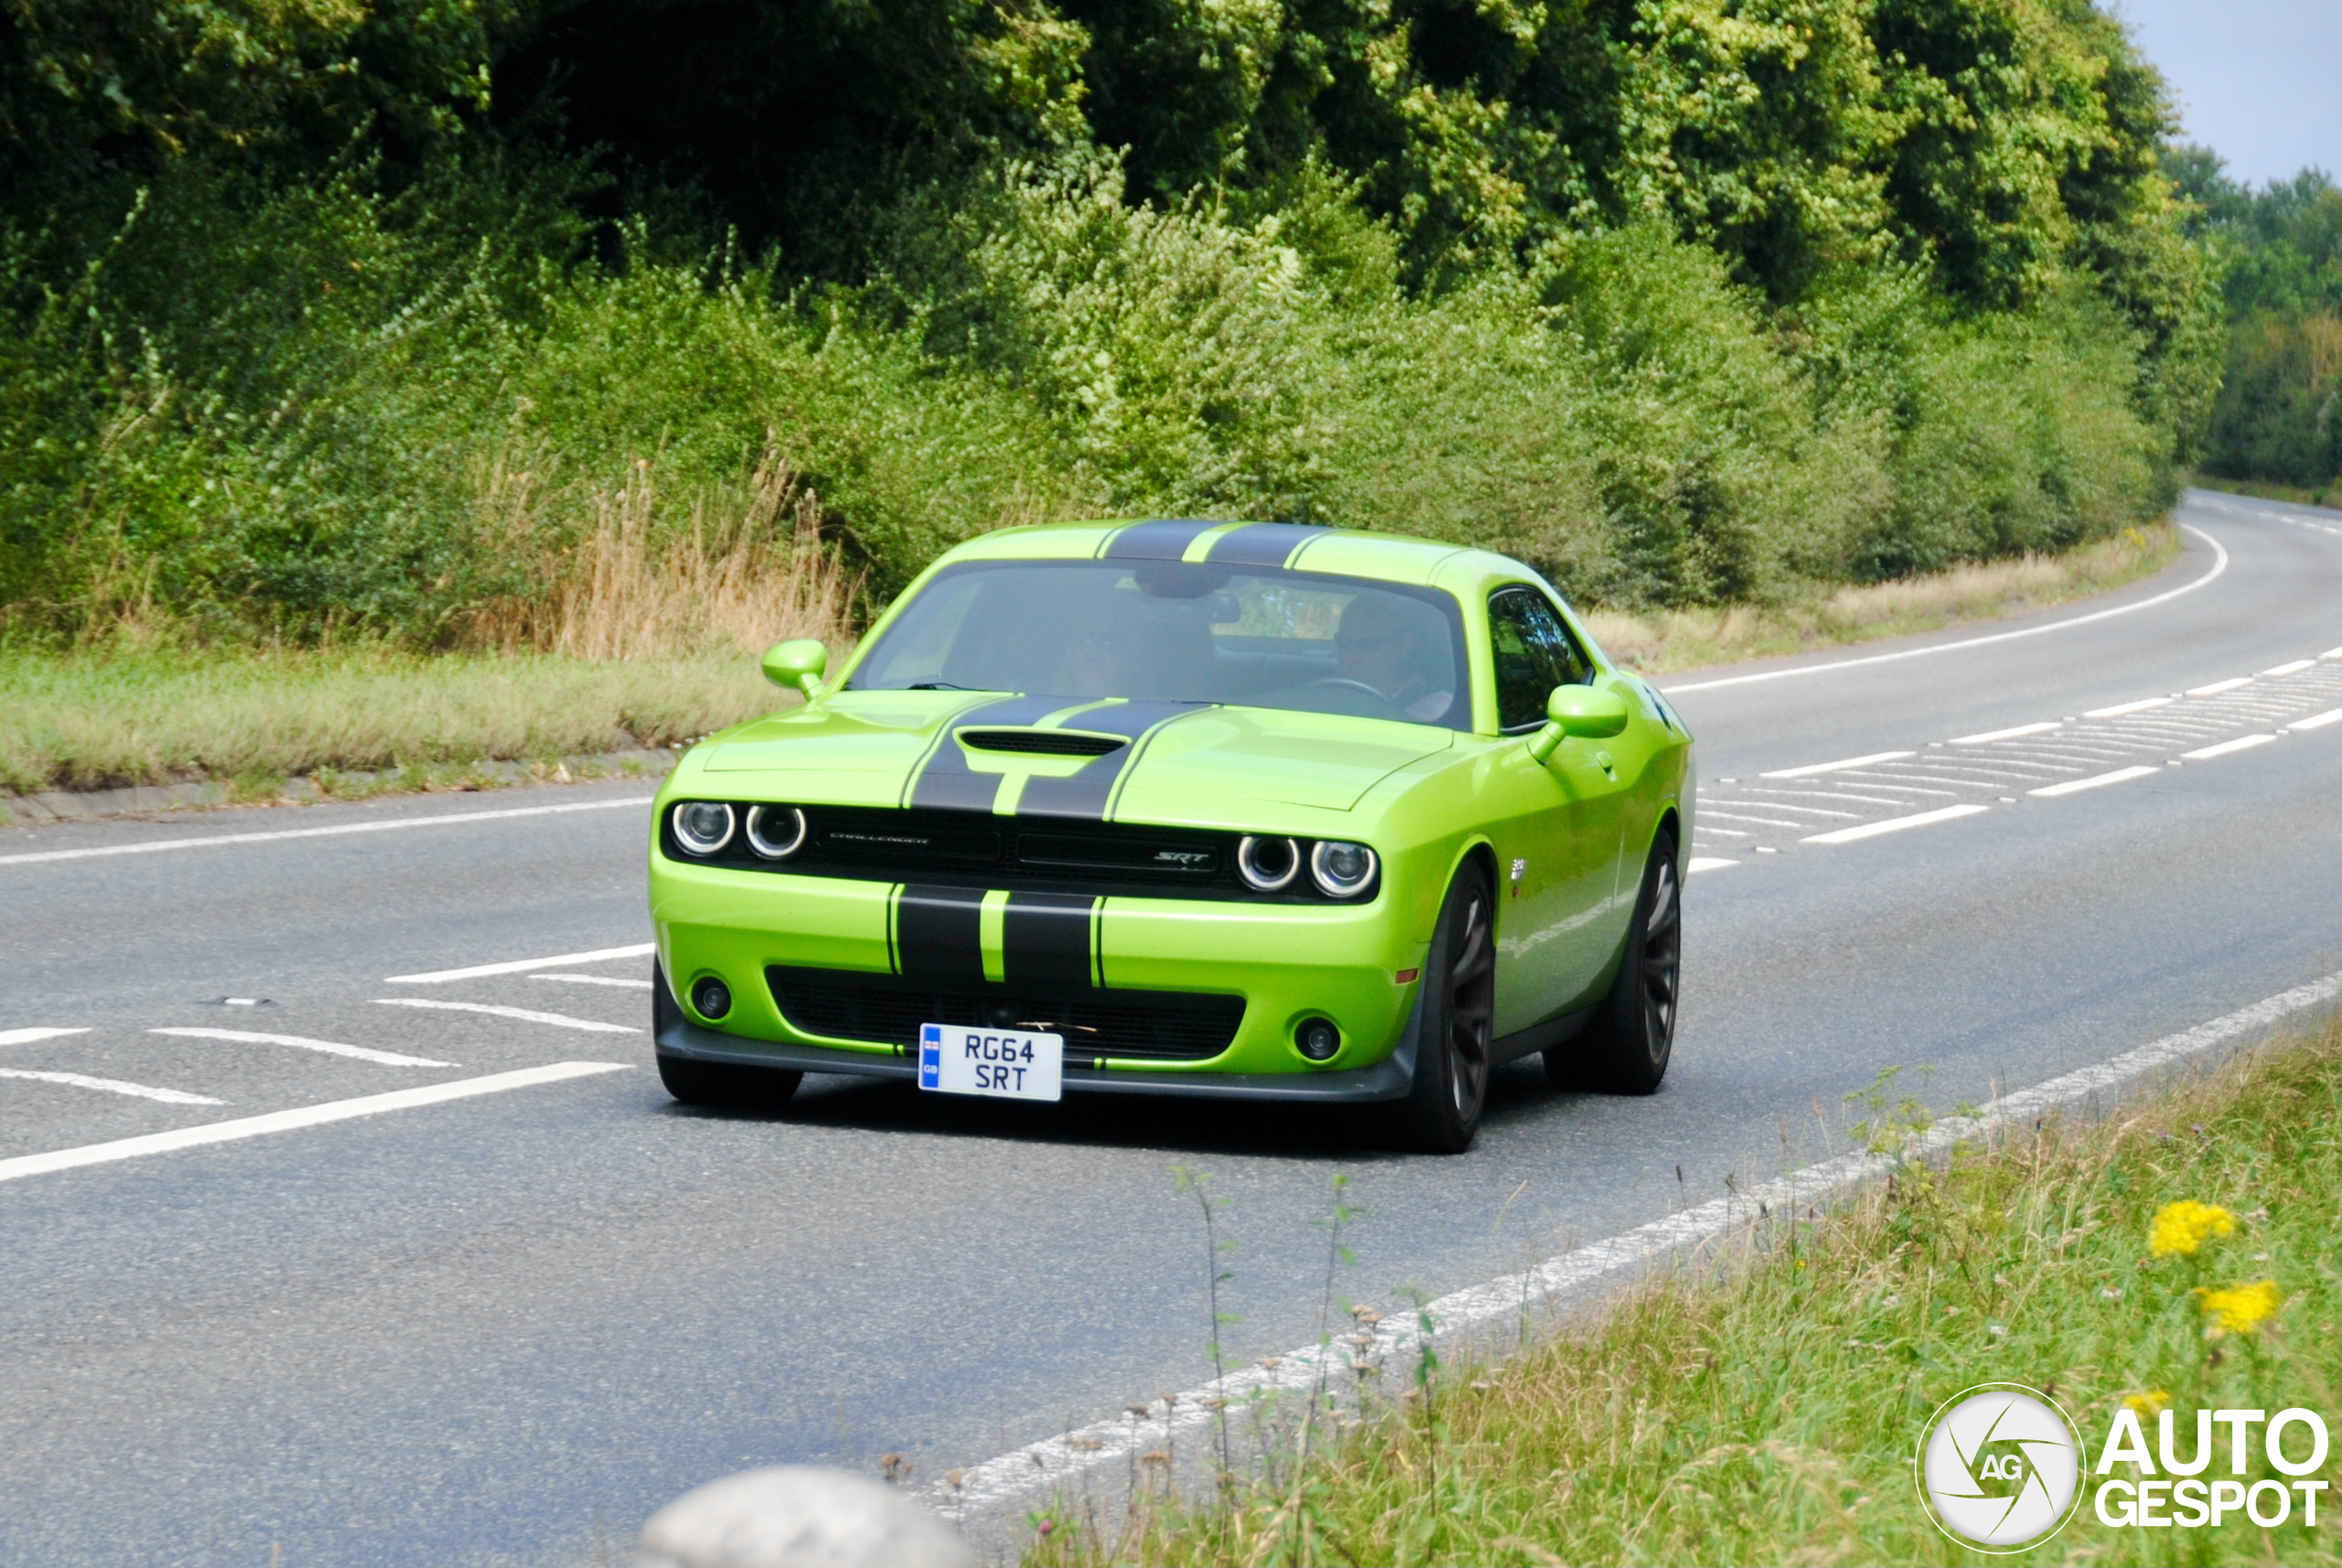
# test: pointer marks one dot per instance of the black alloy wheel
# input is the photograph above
(1442, 1111)
(1626, 1048)
(713, 1086)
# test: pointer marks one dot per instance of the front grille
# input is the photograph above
(888, 1009)
(1041, 742)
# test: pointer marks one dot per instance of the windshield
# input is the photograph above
(1181, 631)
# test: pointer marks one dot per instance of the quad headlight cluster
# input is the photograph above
(1338, 868)
(705, 829)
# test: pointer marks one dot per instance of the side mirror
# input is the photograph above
(797, 664)
(1584, 713)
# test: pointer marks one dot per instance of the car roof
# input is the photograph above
(1301, 547)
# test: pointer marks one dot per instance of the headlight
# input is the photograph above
(1341, 870)
(776, 833)
(1267, 864)
(702, 827)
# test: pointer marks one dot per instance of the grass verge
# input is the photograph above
(2328, 495)
(1694, 638)
(1766, 1412)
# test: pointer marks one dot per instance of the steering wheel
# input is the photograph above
(1344, 681)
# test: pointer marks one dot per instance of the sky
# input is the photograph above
(2259, 82)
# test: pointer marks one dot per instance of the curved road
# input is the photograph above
(506, 1326)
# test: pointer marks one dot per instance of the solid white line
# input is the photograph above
(2219, 565)
(523, 1014)
(2332, 654)
(114, 1086)
(331, 1049)
(1040, 1469)
(2216, 687)
(2242, 743)
(2044, 727)
(1896, 824)
(595, 979)
(157, 846)
(26, 1036)
(289, 1120)
(2295, 667)
(1811, 769)
(521, 965)
(2119, 709)
(1707, 862)
(2318, 720)
(2075, 785)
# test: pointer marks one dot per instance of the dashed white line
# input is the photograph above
(2119, 709)
(2295, 667)
(111, 1086)
(596, 980)
(2318, 720)
(2076, 785)
(1708, 863)
(1896, 824)
(525, 1015)
(1810, 769)
(26, 1036)
(213, 840)
(2216, 687)
(289, 1120)
(523, 965)
(299, 1042)
(2332, 654)
(2044, 727)
(2242, 743)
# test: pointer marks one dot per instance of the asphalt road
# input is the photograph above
(506, 1327)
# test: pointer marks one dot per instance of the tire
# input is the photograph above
(715, 1086)
(1626, 1046)
(1442, 1111)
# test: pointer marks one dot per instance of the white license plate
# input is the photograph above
(1005, 1064)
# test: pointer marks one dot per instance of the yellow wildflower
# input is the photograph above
(2238, 1309)
(2154, 1402)
(2181, 1228)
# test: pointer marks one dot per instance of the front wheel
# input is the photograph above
(1442, 1111)
(1626, 1047)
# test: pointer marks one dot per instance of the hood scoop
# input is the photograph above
(1041, 742)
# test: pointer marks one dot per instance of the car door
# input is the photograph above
(1555, 825)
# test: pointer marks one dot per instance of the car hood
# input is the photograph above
(899, 747)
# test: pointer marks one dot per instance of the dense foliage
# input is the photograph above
(327, 314)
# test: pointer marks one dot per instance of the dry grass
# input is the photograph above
(1693, 639)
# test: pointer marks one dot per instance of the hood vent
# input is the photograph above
(1042, 742)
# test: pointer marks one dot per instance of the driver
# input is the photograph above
(1381, 645)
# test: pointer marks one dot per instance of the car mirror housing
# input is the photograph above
(797, 664)
(1583, 713)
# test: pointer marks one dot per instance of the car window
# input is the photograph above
(1534, 653)
(1181, 631)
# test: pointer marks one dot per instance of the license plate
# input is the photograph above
(1005, 1064)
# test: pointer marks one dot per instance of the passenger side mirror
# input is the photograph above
(1585, 712)
(797, 664)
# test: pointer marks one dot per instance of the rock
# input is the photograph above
(799, 1516)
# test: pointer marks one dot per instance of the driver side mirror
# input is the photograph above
(797, 664)
(1584, 713)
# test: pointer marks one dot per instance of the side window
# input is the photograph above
(1534, 654)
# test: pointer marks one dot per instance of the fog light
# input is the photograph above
(702, 827)
(1318, 1039)
(711, 998)
(1268, 865)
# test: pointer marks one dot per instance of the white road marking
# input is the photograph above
(1707, 862)
(2295, 667)
(1811, 769)
(1896, 824)
(2332, 654)
(2216, 687)
(523, 965)
(2220, 564)
(2044, 727)
(2119, 709)
(1037, 1470)
(329, 1047)
(1705, 813)
(157, 846)
(595, 979)
(2318, 721)
(2076, 785)
(113, 1086)
(303, 1116)
(2242, 743)
(523, 1014)
(26, 1036)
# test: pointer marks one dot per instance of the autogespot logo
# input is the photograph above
(1999, 1467)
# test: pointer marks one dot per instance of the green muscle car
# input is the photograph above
(1259, 810)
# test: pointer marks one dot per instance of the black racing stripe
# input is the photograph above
(947, 781)
(1084, 795)
(938, 933)
(1261, 544)
(1045, 940)
(1165, 539)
